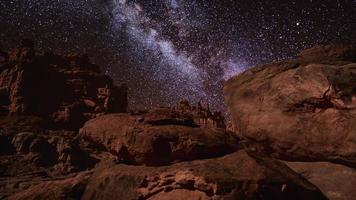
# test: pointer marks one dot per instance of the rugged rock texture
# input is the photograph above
(235, 176)
(40, 95)
(66, 90)
(329, 53)
(157, 138)
(68, 188)
(299, 110)
(57, 151)
(337, 182)
(201, 114)
(30, 156)
(290, 108)
(183, 113)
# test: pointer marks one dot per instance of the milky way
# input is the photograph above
(171, 49)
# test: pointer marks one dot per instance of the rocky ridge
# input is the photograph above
(84, 145)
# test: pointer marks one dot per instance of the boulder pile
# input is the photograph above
(65, 133)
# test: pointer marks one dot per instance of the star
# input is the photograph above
(166, 50)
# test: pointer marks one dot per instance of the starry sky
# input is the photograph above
(166, 50)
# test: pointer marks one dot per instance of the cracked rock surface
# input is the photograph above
(135, 141)
(234, 176)
(298, 110)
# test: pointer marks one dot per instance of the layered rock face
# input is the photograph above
(302, 110)
(159, 137)
(66, 90)
(299, 110)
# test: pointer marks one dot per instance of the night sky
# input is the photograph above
(166, 50)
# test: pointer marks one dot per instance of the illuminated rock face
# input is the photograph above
(68, 90)
(299, 110)
(157, 139)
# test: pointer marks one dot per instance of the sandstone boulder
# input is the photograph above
(235, 176)
(137, 141)
(336, 181)
(297, 110)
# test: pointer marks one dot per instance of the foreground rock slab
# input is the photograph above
(62, 188)
(337, 182)
(299, 110)
(136, 141)
(235, 176)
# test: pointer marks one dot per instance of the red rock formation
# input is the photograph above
(288, 109)
(66, 90)
(156, 139)
(329, 53)
(302, 110)
(235, 176)
(329, 178)
(68, 187)
(299, 110)
(201, 114)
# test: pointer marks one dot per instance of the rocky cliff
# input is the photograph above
(301, 110)
(64, 90)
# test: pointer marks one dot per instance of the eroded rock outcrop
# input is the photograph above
(201, 114)
(157, 138)
(31, 158)
(329, 53)
(183, 152)
(59, 151)
(71, 187)
(235, 176)
(299, 110)
(66, 90)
